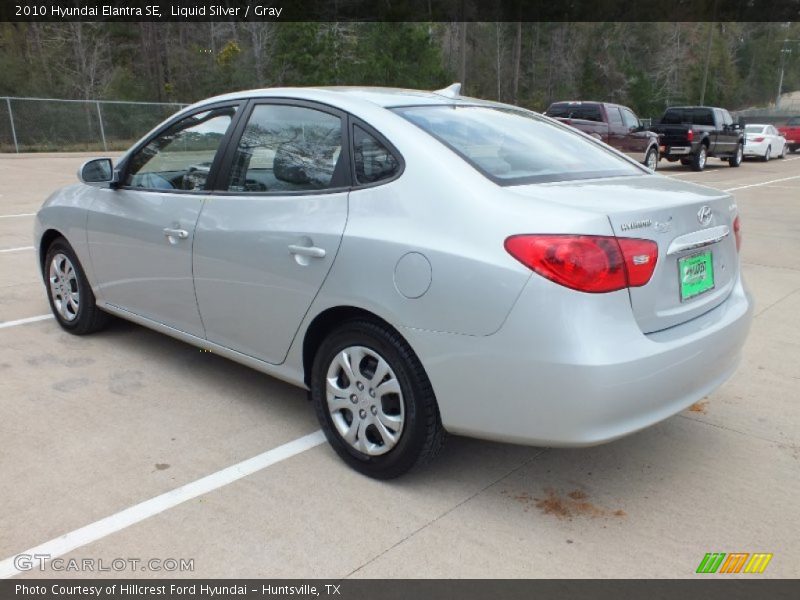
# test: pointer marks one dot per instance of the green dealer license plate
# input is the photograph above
(696, 274)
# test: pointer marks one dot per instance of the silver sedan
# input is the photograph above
(421, 262)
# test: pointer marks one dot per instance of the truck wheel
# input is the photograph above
(736, 159)
(651, 159)
(699, 159)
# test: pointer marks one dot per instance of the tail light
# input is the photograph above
(587, 263)
(737, 232)
(758, 139)
(689, 135)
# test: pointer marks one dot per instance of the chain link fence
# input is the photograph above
(54, 125)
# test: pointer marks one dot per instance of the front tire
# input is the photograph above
(374, 400)
(651, 159)
(736, 159)
(68, 291)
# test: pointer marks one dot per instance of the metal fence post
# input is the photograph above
(102, 130)
(13, 130)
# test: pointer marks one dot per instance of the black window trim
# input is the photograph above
(233, 143)
(123, 166)
(578, 176)
(354, 122)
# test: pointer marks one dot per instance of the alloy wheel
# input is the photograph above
(64, 287)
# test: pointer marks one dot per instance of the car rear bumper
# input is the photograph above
(668, 151)
(571, 370)
(755, 149)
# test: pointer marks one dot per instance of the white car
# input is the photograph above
(764, 141)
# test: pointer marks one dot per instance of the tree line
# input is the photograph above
(646, 66)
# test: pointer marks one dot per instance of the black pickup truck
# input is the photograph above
(693, 133)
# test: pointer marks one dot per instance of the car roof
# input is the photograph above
(347, 96)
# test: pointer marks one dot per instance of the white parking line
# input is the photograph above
(19, 215)
(743, 187)
(25, 321)
(130, 516)
(20, 249)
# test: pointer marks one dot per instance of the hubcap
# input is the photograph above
(365, 400)
(651, 161)
(702, 158)
(64, 287)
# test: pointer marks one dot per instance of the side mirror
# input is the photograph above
(98, 172)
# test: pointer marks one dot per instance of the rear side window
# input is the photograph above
(286, 149)
(614, 118)
(373, 161)
(793, 122)
(513, 147)
(569, 110)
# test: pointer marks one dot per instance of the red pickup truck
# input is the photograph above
(613, 124)
(791, 131)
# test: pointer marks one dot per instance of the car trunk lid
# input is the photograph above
(697, 262)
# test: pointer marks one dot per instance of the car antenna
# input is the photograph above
(451, 91)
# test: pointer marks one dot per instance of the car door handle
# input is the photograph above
(181, 234)
(312, 251)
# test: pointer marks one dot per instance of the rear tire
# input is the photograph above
(767, 154)
(699, 159)
(379, 434)
(783, 152)
(69, 293)
(736, 159)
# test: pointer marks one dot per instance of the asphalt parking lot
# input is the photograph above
(92, 427)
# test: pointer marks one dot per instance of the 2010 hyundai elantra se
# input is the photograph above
(422, 262)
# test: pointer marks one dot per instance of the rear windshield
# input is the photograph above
(513, 147)
(569, 110)
(754, 129)
(688, 116)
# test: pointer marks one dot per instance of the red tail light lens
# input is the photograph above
(689, 135)
(758, 139)
(587, 263)
(737, 232)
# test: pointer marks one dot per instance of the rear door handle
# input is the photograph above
(311, 251)
(181, 234)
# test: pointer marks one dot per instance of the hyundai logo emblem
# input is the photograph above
(704, 215)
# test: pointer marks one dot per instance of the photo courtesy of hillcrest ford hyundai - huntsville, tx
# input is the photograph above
(421, 262)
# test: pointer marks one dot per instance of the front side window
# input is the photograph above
(630, 119)
(726, 117)
(614, 118)
(516, 147)
(286, 149)
(373, 161)
(180, 158)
